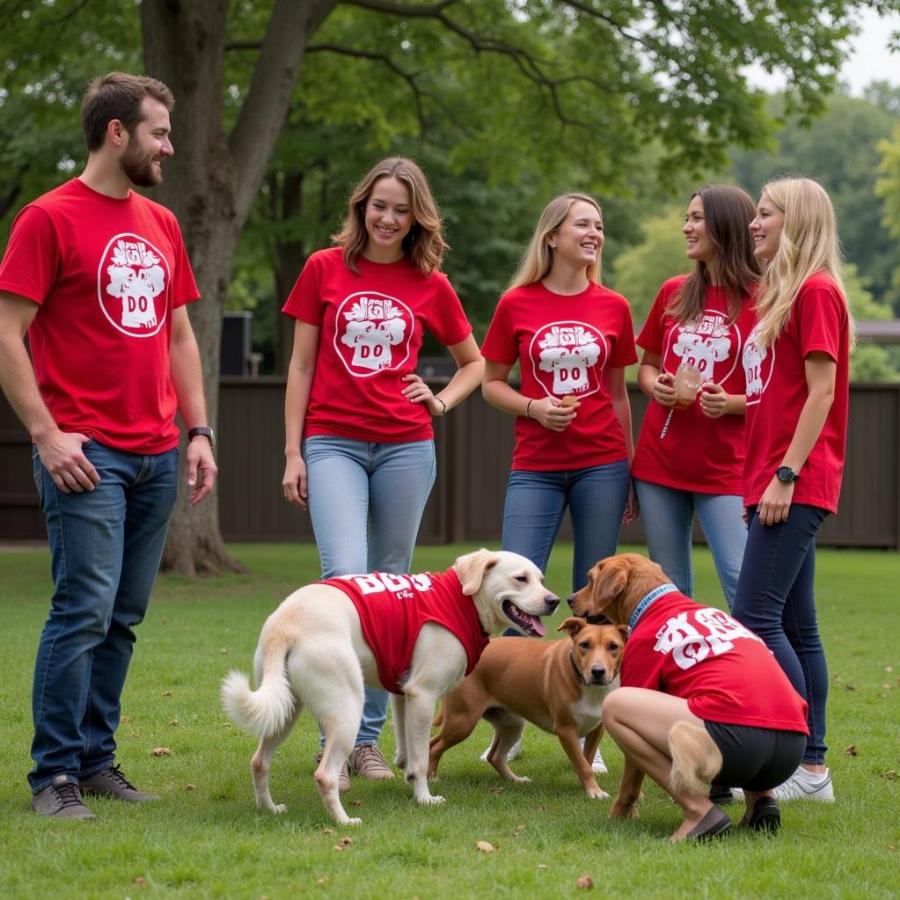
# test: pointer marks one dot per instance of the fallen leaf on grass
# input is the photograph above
(173, 723)
(223, 651)
(343, 843)
(140, 881)
(485, 847)
(356, 803)
(322, 880)
(496, 790)
(190, 787)
(327, 831)
(890, 775)
(161, 751)
(585, 882)
(518, 829)
(888, 668)
(167, 693)
(543, 866)
(851, 750)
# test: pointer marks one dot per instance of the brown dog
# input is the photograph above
(557, 685)
(615, 587)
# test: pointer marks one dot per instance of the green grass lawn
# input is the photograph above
(205, 838)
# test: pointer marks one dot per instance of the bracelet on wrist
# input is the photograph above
(528, 408)
(443, 406)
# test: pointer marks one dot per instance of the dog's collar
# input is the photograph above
(648, 600)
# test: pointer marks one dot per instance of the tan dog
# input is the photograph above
(557, 685)
(312, 654)
(615, 587)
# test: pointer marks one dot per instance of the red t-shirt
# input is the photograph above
(107, 274)
(564, 344)
(393, 608)
(372, 325)
(698, 453)
(724, 671)
(776, 392)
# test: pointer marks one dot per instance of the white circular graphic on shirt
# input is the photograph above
(131, 285)
(372, 332)
(568, 357)
(711, 345)
(759, 364)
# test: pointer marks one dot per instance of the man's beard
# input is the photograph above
(138, 167)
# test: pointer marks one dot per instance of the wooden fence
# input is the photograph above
(474, 447)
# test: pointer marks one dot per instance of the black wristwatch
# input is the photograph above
(203, 431)
(786, 475)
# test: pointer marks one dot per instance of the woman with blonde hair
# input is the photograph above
(572, 338)
(359, 443)
(796, 365)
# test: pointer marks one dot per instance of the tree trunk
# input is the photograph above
(210, 185)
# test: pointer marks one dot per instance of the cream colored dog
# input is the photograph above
(312, 654)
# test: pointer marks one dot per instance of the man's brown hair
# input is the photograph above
(118, 95)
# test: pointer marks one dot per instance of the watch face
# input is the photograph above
(785, 474)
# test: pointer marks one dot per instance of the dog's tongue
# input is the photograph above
(537, 626)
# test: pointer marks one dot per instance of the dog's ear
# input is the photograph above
(572, 625)
(623, 630)
(610, 580)
(472, 567)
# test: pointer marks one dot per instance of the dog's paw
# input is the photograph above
(279, 808)
(431, 800)
(597, 793)
(347, 820)
(623, 811)
(519, 779)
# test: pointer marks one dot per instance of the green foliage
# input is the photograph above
(869, 362)
(641, 270)
(839, 150)
(205, 838)
(888, 189)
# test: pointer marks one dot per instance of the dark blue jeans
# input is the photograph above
(105, 547)
(775, 599)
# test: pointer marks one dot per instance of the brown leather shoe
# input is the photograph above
(368, 761)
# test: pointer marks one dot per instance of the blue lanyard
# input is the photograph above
(651, 598)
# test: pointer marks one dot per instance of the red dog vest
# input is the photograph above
(393, 608)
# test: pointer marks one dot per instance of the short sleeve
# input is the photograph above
(624, 353)
(32, 258)
(499, 343)
(447, 320)
(821, 320)
(305, 300)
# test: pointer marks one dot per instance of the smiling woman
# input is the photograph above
(359, 441)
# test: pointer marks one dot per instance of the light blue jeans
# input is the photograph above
(366, 502)
(536, 503)
(105, 548)
(667, 516)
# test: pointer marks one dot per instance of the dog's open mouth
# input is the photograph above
(525, 622)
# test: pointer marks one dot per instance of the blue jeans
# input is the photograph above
(667, 515)
(105, 548)
(536, 503)
(775, 599)
(366, 502)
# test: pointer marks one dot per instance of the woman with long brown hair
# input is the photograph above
(359, 442)
(690, 452)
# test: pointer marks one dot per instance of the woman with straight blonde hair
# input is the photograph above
(796, 364)
(572, 338)
(359, 445)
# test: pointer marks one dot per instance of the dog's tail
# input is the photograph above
(267, 710)
(696, 759)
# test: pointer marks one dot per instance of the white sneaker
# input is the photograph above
(514, 752)
(597, 766)
(806, 785)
